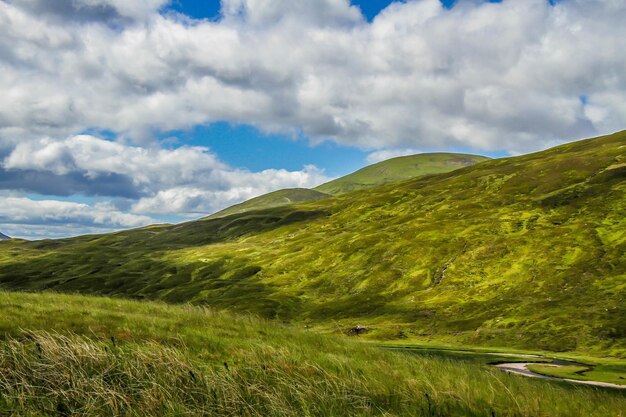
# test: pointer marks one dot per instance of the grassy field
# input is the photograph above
(63, 355)
(526, 252)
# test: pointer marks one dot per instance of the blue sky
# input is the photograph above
(132, 113)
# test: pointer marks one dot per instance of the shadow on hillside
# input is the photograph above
(131, 263)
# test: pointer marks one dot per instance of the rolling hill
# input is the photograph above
(398, 169)
(394, 169)
(525, 252)
(274, 199)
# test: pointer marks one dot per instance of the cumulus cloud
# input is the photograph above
(242, 185)
(91, 10)
(487, 76)
(65, 215)
(384, 154)
(182, 181)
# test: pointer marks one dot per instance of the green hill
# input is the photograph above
(526, 252)
(274, 199)
(400, 168)
(394, 169)
(69, 355)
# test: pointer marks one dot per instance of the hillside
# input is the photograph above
(63, 355)
(394, 169)
(398, 169)
(4, 237)
(274, 199)
(526, 251)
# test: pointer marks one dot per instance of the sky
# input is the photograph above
(117, 114)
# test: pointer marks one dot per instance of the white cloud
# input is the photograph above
(92, 10)
(384, 154)
(264, 13)
(242, 185)
(187, 181)
(64, 214)
(482, 75)
(149, 168)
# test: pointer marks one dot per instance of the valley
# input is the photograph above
(251, 308)
(526, 252)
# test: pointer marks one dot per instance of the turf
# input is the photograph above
(526, 252)
(63, 355)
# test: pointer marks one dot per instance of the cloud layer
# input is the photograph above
(482, 75)
(187, 181)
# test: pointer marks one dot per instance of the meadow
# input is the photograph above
(63, 355)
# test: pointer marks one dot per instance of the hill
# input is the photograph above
(400, 168)
(63, 355)
(523, 252)
(4, 237)
(274, 199)
(381, 173)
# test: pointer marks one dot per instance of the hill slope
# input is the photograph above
(527, 251)
(4, 237)
(400, 168)
(274, 199)
(394, 169)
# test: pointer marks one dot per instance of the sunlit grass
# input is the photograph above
(86, 356)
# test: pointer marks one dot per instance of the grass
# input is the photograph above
(64, 355)
(613, 372)
(274, 199)
(526, 252)
(398, 169)
(587, 368)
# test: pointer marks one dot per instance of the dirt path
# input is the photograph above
(521, 368)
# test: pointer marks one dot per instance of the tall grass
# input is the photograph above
(185, 361)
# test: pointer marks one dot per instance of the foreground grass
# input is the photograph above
(67, 355)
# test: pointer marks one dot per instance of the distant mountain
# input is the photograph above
(273, 199)
(4, 237)
(398, 169)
